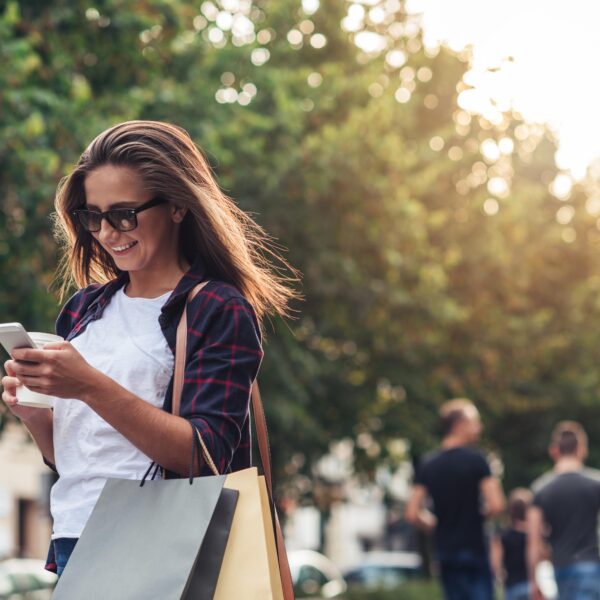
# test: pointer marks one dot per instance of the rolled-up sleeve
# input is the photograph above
(223, 358)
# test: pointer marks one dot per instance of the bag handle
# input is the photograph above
(261, 434)
(198, 449)
(180, 348)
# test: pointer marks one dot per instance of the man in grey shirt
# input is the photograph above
(565, 509)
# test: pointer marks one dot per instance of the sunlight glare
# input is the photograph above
(542, 62)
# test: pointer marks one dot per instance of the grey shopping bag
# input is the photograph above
(164, 540)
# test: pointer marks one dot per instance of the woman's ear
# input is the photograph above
(178, 213)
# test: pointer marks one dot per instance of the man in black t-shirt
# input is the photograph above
(456, 478)
(565, 507)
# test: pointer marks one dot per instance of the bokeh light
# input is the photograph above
(260, 56)
(491, 207)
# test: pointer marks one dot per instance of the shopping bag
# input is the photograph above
(250, 569)
(163, 540)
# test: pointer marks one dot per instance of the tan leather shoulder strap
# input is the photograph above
(262, 435)
(180, 352)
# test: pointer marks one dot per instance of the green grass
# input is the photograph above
(413, 590)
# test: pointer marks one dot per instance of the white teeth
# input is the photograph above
(121, 248)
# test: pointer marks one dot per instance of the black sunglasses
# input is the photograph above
(121, 219)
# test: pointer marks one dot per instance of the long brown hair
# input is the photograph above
(233, 247)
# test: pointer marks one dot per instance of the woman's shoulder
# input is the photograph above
(85, 296)
(76, 306)
(222, 298)
(221, 292)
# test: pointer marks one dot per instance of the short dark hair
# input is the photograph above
(452, 412)
(519, 501)
(568, 437)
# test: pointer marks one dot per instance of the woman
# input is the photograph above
(509, 548)
(142, 221)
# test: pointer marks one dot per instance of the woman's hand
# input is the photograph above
(56, 370)
(10, 384)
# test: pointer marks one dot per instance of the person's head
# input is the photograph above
(568, 440)
(139, 161)
(460, 418)
(519, 500)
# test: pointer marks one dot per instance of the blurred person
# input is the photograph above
(508, 549)
(142, 222)
(456, 477)
(565, 507)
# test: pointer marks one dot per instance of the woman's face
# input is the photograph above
(153, 243)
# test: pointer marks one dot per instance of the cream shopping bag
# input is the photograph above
(250, 569)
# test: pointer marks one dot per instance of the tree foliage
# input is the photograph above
(414, 292)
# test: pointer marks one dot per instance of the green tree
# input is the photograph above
(423, 279)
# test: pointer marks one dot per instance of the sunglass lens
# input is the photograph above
(89, 220)
(122, 220)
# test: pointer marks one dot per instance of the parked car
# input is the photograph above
(379, 569)
(315, 575)
(23, 578)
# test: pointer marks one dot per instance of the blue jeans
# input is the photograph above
(517, 591)
(579, 581)
(466, 576)
(62, 552)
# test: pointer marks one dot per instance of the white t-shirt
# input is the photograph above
(126, 344)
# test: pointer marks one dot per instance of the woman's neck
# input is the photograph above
(155, 285)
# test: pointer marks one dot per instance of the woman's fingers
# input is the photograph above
(33, 355)
(10, 384)
(35, 384)
(8, 367)
(8, 399)
(21, 369)
(55, 345)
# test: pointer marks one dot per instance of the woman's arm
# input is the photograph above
(218, 377)
(224, 356)
(222, 364)
(59, 370)
(40, 427)
(41, 430)
(163, 437)
(37, 420)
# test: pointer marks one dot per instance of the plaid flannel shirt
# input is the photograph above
(223, 356)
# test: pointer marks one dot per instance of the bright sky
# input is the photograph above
(554, 76)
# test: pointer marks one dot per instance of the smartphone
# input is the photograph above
(13, 335)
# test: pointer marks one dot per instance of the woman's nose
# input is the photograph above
(107, 231)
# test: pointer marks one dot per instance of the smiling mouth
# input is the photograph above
(123, 249)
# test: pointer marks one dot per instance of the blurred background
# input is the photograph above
(430, 167)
